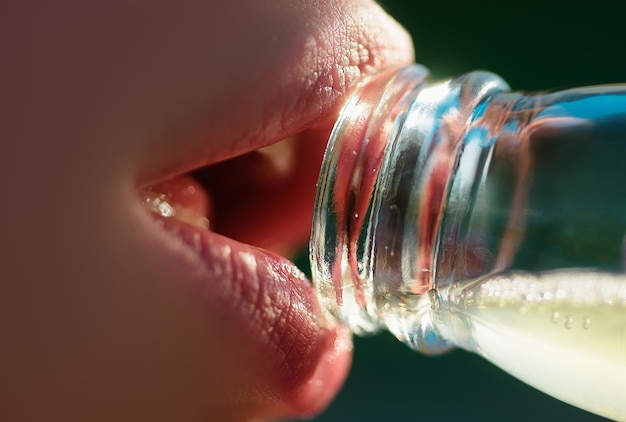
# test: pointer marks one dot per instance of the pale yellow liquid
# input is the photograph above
(563, 333)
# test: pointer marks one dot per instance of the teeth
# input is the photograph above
(278, 158)
(162, 205)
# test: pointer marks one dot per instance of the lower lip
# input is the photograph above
(275, 310)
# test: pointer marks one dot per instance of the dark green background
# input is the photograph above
(533, 46)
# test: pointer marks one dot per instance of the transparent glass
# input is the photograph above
(459, 214)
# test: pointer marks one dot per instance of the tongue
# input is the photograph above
(181, 197)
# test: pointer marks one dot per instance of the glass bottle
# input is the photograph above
(460, 214)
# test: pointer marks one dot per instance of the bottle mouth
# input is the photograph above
(392, 158)
(342, 239)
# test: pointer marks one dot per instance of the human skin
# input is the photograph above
(108, 312)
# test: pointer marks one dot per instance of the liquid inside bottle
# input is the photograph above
(459, 214)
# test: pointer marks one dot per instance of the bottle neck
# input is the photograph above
(400, 151)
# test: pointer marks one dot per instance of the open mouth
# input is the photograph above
(262, 198)
(229, 224)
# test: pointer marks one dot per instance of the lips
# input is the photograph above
(222, 191)
(215, 221)
(185, 309)
(222, 225)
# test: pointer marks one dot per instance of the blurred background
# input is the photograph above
(533, 46)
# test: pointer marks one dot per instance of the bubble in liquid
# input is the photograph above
(586, 322)
(569, 322)
(555, 317)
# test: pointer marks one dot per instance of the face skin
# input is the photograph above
(110, 312)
